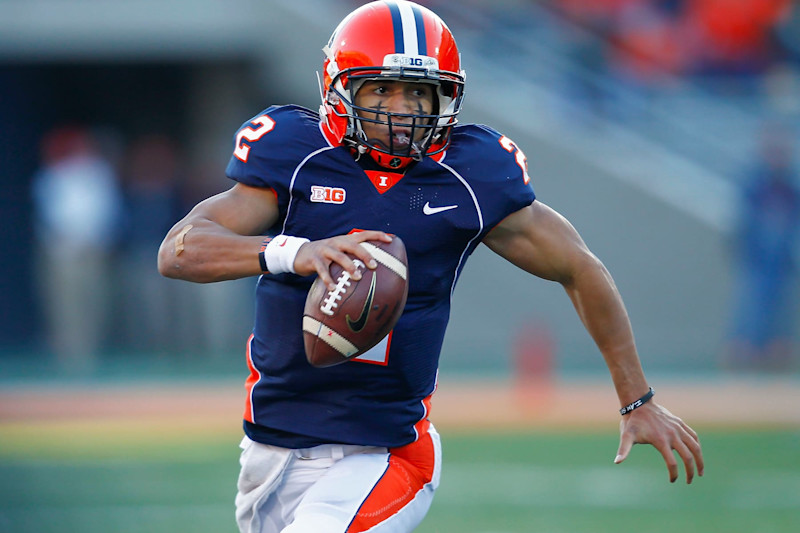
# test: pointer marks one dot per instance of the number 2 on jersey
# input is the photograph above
(242, 150)
(522, 161)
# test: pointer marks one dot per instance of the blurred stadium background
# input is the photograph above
(642, 121)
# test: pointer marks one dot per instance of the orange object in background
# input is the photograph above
(737, 29)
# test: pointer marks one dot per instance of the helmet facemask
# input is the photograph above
(412, 136)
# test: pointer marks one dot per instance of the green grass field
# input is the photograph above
(527, 482)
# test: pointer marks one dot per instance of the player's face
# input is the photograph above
(392, 96)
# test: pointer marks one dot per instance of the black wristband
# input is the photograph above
(638, 403)
(262, 260)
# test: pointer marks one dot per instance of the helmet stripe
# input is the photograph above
(397, 24)
(409, 29)
(422, 42)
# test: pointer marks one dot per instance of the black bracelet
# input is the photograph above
(638, 403)
(261, 259)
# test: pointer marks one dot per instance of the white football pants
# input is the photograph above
(337, 488)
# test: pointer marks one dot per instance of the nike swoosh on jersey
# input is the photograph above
(428, 210)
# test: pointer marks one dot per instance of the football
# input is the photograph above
(341, 324)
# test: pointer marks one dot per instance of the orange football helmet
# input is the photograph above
(396, 40)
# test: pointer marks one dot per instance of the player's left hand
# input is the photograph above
(653, 424)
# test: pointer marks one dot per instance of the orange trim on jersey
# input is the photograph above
(411, 467)
(383, 180)
(384, 361)
(250, 383)
(422, 426)
(438, 157)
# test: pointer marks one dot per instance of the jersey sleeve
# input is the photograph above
(496, 169)
(269, 147)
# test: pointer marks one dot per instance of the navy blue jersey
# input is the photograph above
(441, 207)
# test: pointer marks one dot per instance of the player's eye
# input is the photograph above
(422, 92)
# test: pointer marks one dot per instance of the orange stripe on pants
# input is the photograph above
(411, 467)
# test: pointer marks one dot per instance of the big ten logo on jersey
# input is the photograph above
(328, 195)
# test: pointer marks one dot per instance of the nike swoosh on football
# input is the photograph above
(428, 210)
(358, 324)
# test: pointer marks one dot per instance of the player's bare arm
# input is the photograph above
(221, 237)
(542, 242)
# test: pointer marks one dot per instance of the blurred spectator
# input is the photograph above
(151, 175)
(77, 206)
(642, 44)
(763, 330)
(650, 43)
(738, 36)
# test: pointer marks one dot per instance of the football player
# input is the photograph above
(350, 447)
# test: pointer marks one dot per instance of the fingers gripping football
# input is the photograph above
(318, 256)
(357, 310)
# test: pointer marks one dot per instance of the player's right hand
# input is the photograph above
(317, 256)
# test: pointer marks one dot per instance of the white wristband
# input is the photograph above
(280, 253)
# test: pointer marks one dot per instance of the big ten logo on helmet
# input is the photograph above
(328, 195)
(405, 60)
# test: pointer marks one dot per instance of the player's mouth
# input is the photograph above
(401, 138)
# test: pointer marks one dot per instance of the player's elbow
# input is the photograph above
(174, 265)
(188, 266)
(167, 263)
